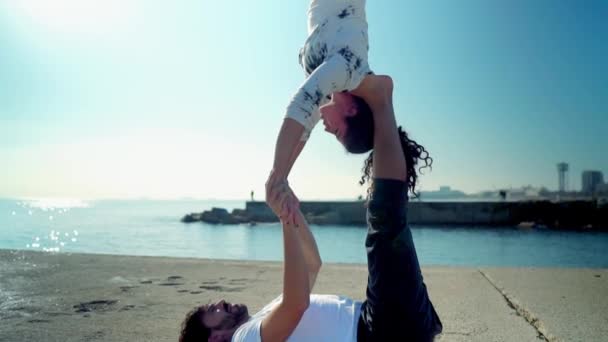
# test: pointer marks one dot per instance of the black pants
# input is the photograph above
(397, 307)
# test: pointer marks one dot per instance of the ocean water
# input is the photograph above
(147, 227)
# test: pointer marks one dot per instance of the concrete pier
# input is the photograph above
(572, 214)
(582, 215)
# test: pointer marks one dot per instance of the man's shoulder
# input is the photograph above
(248, 331)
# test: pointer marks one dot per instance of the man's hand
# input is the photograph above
(281, 199)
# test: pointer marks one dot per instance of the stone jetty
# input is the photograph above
(580, 215)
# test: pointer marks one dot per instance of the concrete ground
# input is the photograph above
(567, 304)
(84, 297)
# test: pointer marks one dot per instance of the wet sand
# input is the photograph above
(86, 297)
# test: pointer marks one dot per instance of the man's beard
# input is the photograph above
(234, 318)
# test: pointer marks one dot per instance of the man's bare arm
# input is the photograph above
(309, 245)
(284, 318)
(309, 249)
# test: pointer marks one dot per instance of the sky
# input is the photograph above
(184, 99)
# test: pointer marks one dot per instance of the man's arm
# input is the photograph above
(309, 245)
(309, 249)
(301, 265)
(284, 318)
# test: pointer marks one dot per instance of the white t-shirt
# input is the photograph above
(334, 57)
(329, 318)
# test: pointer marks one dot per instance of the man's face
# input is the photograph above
(223, 315)
(335, 112)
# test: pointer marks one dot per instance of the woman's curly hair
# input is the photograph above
(413, 152)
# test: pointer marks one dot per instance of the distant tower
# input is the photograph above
(562, 174)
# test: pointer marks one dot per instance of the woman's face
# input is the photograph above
(335, 112)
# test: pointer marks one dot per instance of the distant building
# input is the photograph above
(562, 176)
(524, 193)
(602, 189)
(591, 180)
(445, 192)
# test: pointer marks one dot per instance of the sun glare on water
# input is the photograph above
(55, 240)
(52, 204)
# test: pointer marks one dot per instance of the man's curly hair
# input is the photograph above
(193, 329)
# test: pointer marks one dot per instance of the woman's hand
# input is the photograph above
(281, 199)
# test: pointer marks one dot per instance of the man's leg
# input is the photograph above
(397, 306)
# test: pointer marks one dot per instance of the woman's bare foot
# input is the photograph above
(375, 89)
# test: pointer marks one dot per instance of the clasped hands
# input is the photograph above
(281, 199)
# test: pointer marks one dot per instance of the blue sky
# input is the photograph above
(133, 98)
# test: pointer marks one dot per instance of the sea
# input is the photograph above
(153, 228)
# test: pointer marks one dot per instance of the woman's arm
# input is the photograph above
(302, 115)
(302, 112)
(286, 148)
(295, 155)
